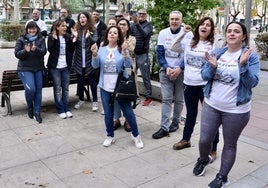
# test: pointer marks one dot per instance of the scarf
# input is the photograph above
(31, 37)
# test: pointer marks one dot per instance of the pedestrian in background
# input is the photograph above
(142, 30)
(192, 64)
(111, 58)
(170, 75)
(41, 24)
(30, 49)
(60, 47)
(84, 37)
(231, 72)
(130, 42)
(99, 25)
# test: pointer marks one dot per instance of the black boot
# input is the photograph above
(38, 118)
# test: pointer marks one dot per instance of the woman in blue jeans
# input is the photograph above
(30, 49)
(111, 58)
(60, 47)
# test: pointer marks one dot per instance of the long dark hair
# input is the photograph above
(120, 37)
(128, 24)
(196, 37)
(89, 25)
(244, 30)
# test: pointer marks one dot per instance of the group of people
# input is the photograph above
(195, 67)
(198, 67)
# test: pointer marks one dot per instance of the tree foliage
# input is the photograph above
(192, 10)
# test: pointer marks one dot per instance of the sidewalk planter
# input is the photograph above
(264, 65)
(261, 42)
(156, 89)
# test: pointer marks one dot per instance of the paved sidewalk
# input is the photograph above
(69, 153)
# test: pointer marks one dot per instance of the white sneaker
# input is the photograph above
(62, 115)
(137, 140)
(69, 114)
(95, 106)
(79, 104)
(102, 112)
(108, 141)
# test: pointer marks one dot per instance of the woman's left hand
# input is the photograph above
(244, 56)
(124, 47)
(212, 60)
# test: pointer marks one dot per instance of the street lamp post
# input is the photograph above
(248, 16)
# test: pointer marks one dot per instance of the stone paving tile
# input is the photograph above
(34, 174)
(15, 155)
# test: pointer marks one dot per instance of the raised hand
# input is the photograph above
(33, 48)
(27, 47)
(244, 56)
(212, 60)
(94, 49)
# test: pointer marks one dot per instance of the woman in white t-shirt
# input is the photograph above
(194, 60)
(231, 72)
(60, 47)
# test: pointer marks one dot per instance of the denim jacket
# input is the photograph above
(249, 76)
(121, 63)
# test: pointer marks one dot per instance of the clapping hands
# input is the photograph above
(28, 47)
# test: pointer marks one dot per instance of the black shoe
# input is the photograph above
(127, 126)
(38, 118)
(219, 182)
(30, 113)
(173, 127)
(117, 124)
(199, 167)
(160, 134)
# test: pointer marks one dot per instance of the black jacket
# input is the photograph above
(142, 33)
(77, 57)
(101, 29)
(30, 61)
(53, 46)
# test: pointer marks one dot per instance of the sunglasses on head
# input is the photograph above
(119, 16)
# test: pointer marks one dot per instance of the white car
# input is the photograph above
(49, 24)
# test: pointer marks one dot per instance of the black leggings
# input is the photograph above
(232, 126)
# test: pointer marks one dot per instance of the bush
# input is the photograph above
(11, 32)
(261, 42)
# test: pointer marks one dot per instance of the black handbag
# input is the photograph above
(125, 88)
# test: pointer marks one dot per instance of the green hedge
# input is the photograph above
(11, 32)
(261, 42)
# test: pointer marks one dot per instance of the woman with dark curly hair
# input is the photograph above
(84, 37)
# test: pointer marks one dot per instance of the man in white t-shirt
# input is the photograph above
(41, 24)
(170, 77)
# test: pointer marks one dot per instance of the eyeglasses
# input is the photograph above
(142, 13)
(119, 16)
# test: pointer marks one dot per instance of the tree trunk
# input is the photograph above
(16, 18)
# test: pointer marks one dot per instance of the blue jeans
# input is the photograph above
(143, 64)
(61, 80)
(117, 110)
(92, 81)
(33, 83)
(171, 89)
(109, 114)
